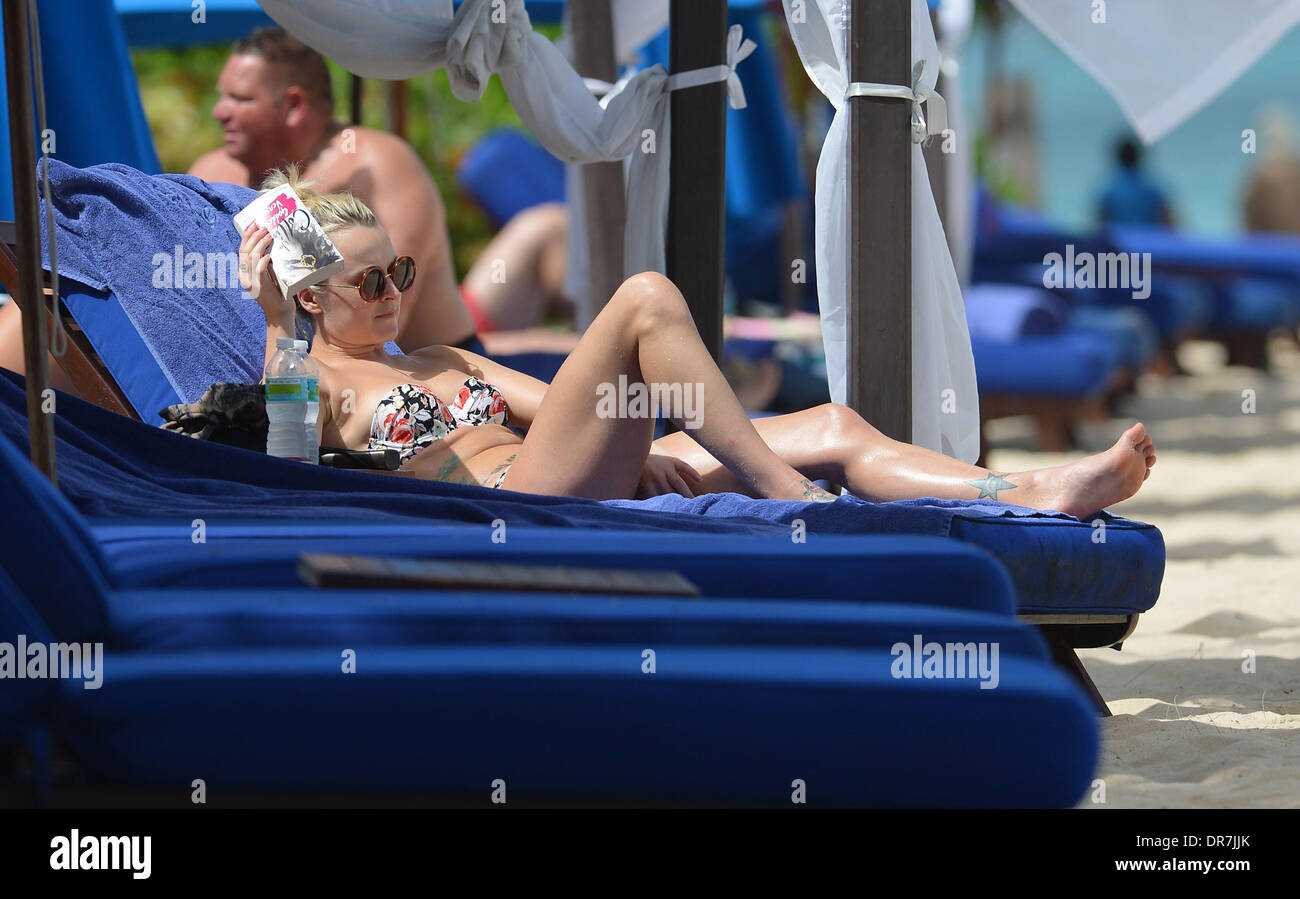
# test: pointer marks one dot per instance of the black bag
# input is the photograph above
(233, 414)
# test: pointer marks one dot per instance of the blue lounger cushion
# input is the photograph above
(1175, 304)
(1063, 566)
(1255, 304)
(1074, 364)
(20, 698)
(855, 569)
(172, 620)
(1268, 255)
(507, 172)
(712, 724)
(1129, 331)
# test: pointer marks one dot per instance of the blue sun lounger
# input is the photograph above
(551, 678)
(742, 721)
(146, 489)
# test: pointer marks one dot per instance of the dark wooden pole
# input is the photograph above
(697, 196)
(879, 314)
(592, 27)
(28, 289)
(355, 87)
(397, 108)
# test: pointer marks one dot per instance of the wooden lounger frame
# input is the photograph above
(79, 362)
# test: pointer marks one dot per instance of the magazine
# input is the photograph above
(301, 252)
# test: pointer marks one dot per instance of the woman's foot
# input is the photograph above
(1084, 487)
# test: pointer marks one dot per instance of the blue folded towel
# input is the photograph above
(119, 230)
(166, 248)
(111, 466)
(1005, 312)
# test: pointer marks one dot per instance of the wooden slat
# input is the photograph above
(879, 313)
(696, 210)
(79, 361)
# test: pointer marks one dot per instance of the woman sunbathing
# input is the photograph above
(590, 433)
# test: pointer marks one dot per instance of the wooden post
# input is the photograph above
(397, 108)
(697, 196)
(592, 26)
(27, 290)
(879, 313)
(355, 86)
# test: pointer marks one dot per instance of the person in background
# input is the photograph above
(276, 108)
(1272, 197)
(1131, 197)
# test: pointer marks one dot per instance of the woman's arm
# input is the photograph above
(256, 277)
(523, 393)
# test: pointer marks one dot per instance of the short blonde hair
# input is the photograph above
(333, 211)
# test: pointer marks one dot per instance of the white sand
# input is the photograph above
(1192, 725)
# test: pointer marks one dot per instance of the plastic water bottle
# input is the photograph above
(313, 398)
(291, 388)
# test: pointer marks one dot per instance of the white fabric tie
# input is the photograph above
(738, 47)
(934, 103)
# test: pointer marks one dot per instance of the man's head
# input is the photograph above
(276, 99)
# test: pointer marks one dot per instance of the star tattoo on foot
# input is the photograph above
(989, 487)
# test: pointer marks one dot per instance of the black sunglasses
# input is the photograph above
(371, 285)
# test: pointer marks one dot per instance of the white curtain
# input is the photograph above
(945, 401)
(1162, 60)
(955, 20)
(398, 39)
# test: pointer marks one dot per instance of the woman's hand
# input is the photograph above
(665, 474)
(256, 276)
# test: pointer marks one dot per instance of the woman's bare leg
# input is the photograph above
(520, 274)
(643, 335)
(11, 349)
(834, 443)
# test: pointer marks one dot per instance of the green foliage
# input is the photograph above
(1003, 185)
(179, 89)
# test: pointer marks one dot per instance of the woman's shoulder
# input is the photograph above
(441, 358)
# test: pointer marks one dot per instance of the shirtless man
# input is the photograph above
(277, 107)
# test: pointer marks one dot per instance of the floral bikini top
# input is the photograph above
(411, 417)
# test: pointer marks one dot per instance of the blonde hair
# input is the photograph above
(334, 212)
